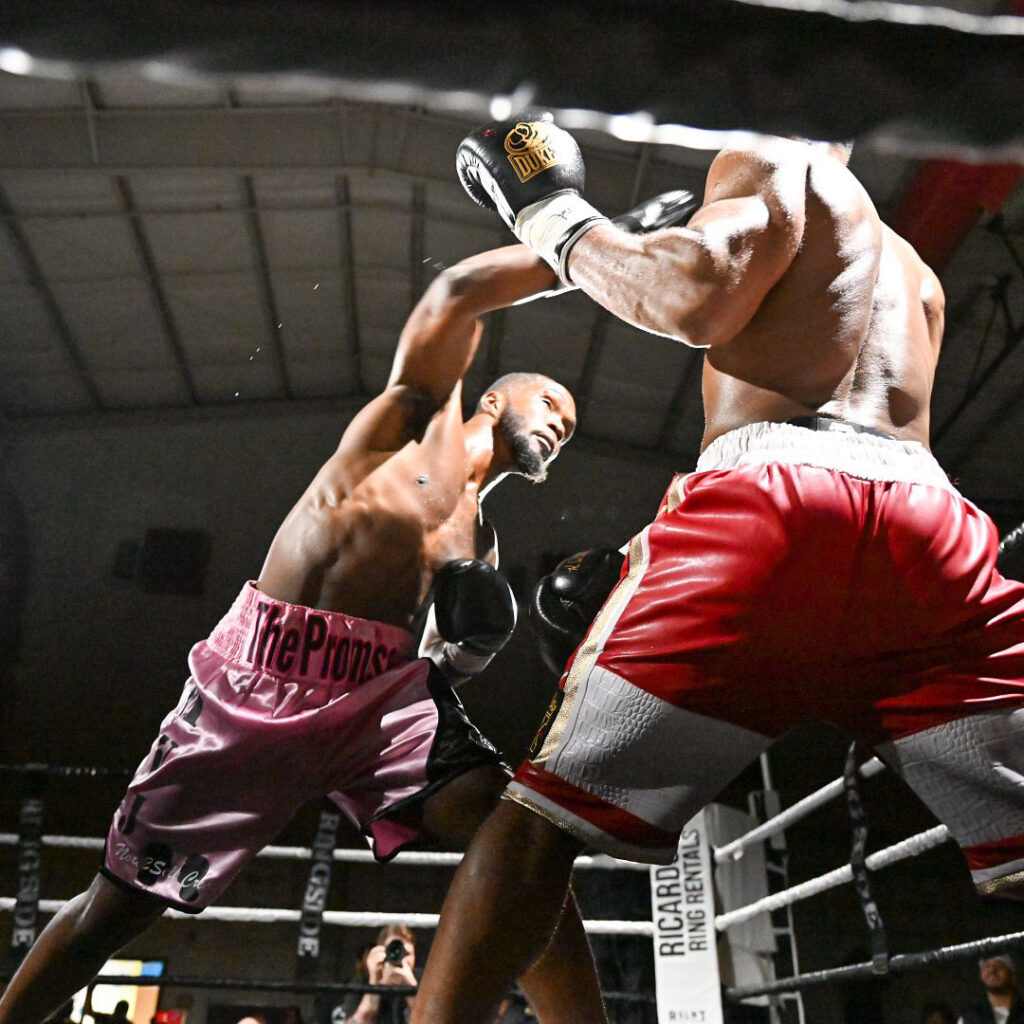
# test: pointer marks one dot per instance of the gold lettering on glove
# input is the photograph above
(529, 149)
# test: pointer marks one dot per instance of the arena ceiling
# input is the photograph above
(239, 243)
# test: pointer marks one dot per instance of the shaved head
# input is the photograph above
(535, 416)
(511, 382)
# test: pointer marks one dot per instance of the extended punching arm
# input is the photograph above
(665, 210)
(531, 172)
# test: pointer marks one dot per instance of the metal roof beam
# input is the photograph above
(36, 277)
(156, 288)
(417, 242)
(273, 318)
(348, 279)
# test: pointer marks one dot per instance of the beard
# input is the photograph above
(527, 459)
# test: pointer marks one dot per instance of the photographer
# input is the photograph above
(389, 962)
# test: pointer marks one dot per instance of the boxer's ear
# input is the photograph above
(492, 402)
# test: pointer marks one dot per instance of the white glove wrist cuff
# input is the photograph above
(553, 225)
(461, 663)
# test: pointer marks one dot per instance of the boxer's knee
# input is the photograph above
(453, 814)
(541, 841)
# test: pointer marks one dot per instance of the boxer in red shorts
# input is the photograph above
(817, 565)
(311, 684)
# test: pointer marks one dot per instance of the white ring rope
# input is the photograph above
(902, 14)
(731, 851)
(781, 821)
(890, 855)
(422, 858)
(349, 918)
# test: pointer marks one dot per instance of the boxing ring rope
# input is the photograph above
(780, 822)
(347, 856)
(1013, 540)
(899, 963)
(280, 915)
(269, 915)
(287, 985)
(923, 82)
(910, 847)
(347, 918)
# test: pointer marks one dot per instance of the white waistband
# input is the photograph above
(847, 451)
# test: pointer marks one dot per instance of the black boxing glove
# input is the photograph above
(665, 210)
(472, 617)
(564, 604)
(532, 173)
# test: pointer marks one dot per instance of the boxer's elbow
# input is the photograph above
(456, 288)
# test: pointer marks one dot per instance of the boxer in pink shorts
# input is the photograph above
(296, 702)
(817, 565)
(312, 684)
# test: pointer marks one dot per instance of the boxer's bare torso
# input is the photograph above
(852, 327)
(400, 496)
(394, 503)
(807, 303)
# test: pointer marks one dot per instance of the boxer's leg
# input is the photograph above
(508, 895)
(562, 985)
(452, 814)
(74, 946)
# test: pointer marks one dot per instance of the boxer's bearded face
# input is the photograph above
(526, 449)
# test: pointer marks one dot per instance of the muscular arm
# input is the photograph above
(702, 284)
(438, 344)
(441, 335)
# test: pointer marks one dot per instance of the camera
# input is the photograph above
(394, 951)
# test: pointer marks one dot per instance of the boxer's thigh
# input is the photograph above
(625, 770)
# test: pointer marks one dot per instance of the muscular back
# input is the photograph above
(852, 325)
(805, 301)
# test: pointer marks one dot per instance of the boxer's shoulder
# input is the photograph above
(398, 414)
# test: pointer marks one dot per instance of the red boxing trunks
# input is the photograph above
(285, 704)
(796, 575)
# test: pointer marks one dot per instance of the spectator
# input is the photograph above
(385, 965)
(999, 976)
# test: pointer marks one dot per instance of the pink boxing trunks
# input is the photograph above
(796, 575)
(285, 704)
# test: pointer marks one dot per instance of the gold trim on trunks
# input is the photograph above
(593, 642)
